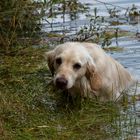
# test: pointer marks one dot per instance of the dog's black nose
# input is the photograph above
(61, 83)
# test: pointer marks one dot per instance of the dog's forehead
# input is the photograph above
(72, 49)
(72, 53)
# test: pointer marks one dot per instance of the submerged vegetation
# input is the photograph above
(30, 107)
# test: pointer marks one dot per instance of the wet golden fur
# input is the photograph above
(99, 75)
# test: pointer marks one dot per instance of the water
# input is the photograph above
(121, 5)
(61, 23)
(130, 57)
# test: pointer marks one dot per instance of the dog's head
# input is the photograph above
(68, 63)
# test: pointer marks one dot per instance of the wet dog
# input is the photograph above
(85, 69)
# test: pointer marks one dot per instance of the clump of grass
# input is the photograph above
(134, 11)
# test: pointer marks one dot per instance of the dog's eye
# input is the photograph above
(77, 66)
(58, 61)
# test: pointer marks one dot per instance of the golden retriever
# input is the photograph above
(85, 69)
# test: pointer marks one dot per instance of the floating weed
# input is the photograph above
(114, 48)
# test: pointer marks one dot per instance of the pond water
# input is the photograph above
(121, 5)
(63, 23)
(129, 57)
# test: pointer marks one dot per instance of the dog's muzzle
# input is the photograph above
(61, 83)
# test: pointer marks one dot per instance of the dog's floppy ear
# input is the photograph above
(49, 56)
(93, 77)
